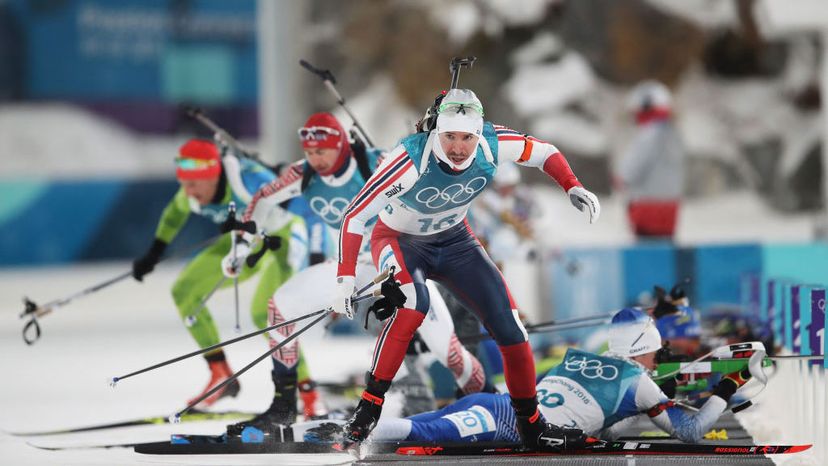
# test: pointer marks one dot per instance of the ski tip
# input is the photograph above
(799, 448)
(418, 451)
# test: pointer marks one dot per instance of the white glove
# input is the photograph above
(580, 197)
(345, 287)
(231, 268)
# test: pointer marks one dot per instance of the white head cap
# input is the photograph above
(649, 95)
(460, 110)
(633, 333)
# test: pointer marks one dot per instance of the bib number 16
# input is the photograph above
(427, 224)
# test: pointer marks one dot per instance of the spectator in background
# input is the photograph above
(503, 216)
(678, 323)
(652, 168)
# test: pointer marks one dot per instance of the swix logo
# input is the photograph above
(395, 188)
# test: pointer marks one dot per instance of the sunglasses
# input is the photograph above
(317, 133)
(460, 107)
(194, 164)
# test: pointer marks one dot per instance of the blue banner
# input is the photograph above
(198, 51)
(795, 322)
(816, 331)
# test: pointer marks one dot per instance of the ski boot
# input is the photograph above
(312, 406)
(366, 416)
(219, 372)
(539, 435)
(281, 413)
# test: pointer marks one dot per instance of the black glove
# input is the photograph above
(730, 383)
(146, 263)
(392, 299)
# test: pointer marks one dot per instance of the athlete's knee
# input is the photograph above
(506, 328)
(406, 322)
(259, 314)
(417, 297)
(180, 292)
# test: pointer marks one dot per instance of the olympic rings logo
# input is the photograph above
(457, 193)
(591, 369)
(332, 211)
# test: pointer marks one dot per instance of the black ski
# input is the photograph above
(202, 445)
(191, 416)
(602, 448)
(82, 447)
(258, 444)
(223, 444)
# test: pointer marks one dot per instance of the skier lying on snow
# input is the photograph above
(599, 394)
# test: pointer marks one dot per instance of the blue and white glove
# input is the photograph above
(580, 198)
(230, 267)
(345, 288)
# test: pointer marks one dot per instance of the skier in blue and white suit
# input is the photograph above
(599, 394)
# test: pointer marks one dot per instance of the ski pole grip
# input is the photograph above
(253, 259)
(30, 307)
(385, 273)
(269, 243)
(304, 63)
(324, 75)
(232, 224)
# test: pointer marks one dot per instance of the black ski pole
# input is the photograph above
(574, 320)
(33, 311)
(329, 80)
(379, 278)
(115, 380)
(175, 418)
(547, 327)
(231, 215)
(221, 135)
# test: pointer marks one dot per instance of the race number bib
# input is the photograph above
(567, 403)
(474, 421)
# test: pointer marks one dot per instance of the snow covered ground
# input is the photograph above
(61, 381)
